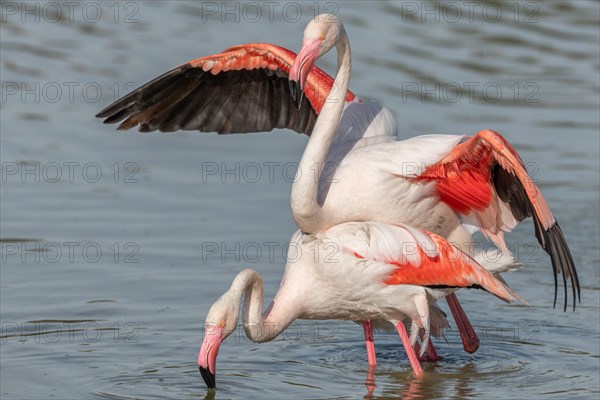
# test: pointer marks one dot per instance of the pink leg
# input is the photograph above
(368, 328)
(370, 382)
(410, 352)
(418, 350)
(467, 333)
(431, 352)
(430, 355)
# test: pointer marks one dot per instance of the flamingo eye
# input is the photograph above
(322, 37)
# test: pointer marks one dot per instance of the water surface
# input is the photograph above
(114, 245)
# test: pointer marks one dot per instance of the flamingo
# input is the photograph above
(389, 274)
(452, 185)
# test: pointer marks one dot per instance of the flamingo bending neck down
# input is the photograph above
(389, 274)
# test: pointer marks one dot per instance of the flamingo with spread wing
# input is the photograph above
(452, 185)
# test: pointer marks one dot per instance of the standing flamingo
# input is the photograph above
(448, 184)
(354, 271)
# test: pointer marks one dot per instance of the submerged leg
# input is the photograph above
(410, 352)
(370, 382)
(370, 344)
(467, 333)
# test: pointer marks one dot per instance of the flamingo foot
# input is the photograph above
(410, 352)
(369, 343)
(467, 333)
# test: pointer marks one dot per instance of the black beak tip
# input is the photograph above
(296, 93)
(209, 377)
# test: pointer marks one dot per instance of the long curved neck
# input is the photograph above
(259, 326)
(304, 201)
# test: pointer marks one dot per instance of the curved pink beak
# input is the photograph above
(207, 357)
(301, 68)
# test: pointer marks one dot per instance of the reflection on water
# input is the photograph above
(104, 276)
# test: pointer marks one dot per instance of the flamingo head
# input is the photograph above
(220, 323)
(320, 35)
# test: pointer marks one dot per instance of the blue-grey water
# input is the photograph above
(114, 245)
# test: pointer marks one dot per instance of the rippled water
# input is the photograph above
(114, 245)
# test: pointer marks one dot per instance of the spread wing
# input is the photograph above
(418, 257)
(243, 89)
(485, 178)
